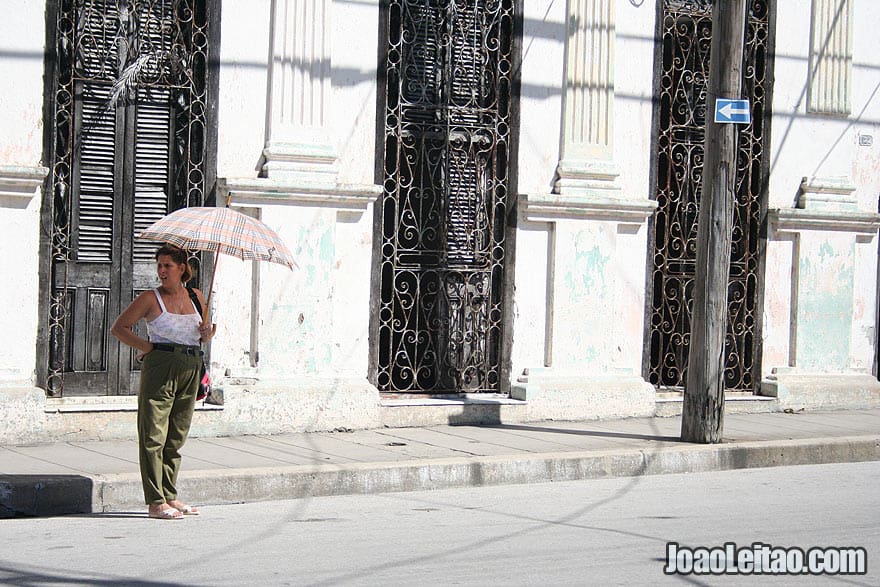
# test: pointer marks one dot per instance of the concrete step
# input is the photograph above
(669, 404)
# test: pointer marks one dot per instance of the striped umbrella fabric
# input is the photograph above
(220, 230)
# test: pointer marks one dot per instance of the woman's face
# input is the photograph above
(169, 272)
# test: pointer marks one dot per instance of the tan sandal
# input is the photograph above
(168, 513)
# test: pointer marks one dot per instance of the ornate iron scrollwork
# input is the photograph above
(443, 212)
(686, 30)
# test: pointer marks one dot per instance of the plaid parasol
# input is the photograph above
(221, 230)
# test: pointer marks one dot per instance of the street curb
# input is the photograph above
(61, 494)
(296, 482)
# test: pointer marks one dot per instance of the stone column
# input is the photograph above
(298, 147)
(586, 166)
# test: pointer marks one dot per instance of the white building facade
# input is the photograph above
(492, 206)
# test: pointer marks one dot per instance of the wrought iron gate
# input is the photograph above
(128, 145)
(685, 33)
(445, 203)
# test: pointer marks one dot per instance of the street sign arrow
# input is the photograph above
(729, 111)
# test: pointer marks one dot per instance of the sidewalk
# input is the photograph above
(82, 477)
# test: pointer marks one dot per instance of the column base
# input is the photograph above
(822, 391)
(572, 396)
(311, 164)
(586, 177)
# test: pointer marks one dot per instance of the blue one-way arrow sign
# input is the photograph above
(732, 111)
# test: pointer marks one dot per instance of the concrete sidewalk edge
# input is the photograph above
(29, 495)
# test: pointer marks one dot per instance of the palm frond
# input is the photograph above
(146, 65)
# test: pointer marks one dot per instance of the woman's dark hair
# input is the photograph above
(177, 255)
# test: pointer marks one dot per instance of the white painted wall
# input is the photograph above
(807, 145)
(633, 102)
(579, 303)
(543, 81)
(21, 145)
(244, 66)
(865, 119)
(811, 145)
(21, 81)
(314, 321)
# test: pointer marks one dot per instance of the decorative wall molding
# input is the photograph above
(552, 207)
(796, 220)
(265, 191)
(587, 178)
(18, 184)
(827, 193)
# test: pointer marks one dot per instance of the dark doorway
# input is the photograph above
(448, 73)
(684, 34)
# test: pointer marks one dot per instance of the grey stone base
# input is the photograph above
(560, 396)
(451, 410)
(670, 404)
(251, 407)
(822, 391)
(285, 406)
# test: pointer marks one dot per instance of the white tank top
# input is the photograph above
(174, 328)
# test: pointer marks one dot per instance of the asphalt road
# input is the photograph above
(612, 531)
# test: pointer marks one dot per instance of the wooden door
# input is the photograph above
(129, 137)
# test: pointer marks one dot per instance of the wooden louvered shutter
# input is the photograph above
(93, 232)
(152, 162)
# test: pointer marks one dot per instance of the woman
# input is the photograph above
(172, 362)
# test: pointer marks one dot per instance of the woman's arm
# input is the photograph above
(122, 327)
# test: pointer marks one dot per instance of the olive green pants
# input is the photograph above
(166, 400)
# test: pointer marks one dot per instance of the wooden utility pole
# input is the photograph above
(703, 410)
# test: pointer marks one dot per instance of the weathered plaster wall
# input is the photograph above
(778, 350)
(824, 311)
(821, 280)
(21, 79)
(579, 278)
(244, 66)
(865, 119)
(811, 145)
(803, 145)
(541, 94)
(580, 282)
(580, 261)
(633, 97)
(312, 320)
(865, 175)
(355, 55)
(21, 144)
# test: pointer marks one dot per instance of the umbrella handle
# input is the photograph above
(206, 312)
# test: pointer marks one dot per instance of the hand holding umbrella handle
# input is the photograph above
(207, 331)
(206, 328)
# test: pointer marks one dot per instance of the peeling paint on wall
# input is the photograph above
(825, 305)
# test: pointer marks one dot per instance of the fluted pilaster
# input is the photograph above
(587, 147)
(831, 57)
(298, 145)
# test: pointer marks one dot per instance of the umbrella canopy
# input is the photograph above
(221, 230)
